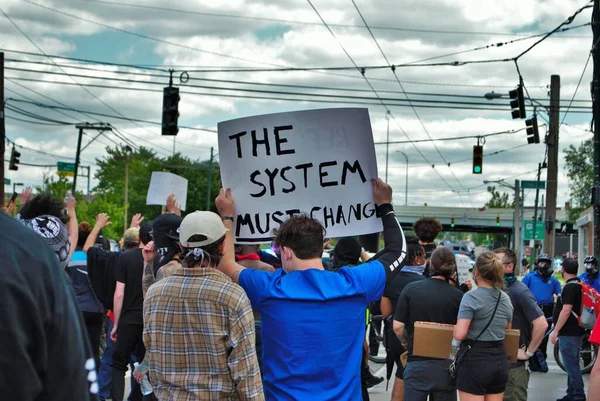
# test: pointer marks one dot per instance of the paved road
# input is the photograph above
(542, 386)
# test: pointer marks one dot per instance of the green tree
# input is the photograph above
(580, 172)
(499, 199)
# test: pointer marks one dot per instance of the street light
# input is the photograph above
(15, 185)
(493, 95)
(405, 179)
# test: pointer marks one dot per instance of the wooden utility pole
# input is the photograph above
(552, 177)
(596, 114)
(2, 127)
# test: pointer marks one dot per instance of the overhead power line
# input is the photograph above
(313, 23)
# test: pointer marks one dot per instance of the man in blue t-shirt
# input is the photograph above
(591, 277)
(313, 319)
(544, 286)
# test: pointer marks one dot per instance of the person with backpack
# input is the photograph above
(567, 331)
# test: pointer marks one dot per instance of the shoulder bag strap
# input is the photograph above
(493, 315)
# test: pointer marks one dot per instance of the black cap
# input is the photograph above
(167, 225)
(145, 232)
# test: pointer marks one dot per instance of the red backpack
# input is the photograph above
(590, 307)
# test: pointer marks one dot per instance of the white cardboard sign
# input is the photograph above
(463, 268)
(318, 162)
(163, 184)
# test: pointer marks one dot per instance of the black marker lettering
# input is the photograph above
(272, 175)
(328, 215)
(276, 217)
(245, 220)
(258, 225)
(356, 210)
(279, 141)
(238, 142)
(370, 212)
(323, 174)
(292, 212)
(340, 215)
(253, 180)
(353, 169)
(313, 210)
(264, 141)
(305, 167)
(293, 187)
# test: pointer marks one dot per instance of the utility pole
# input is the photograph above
(81, 127)
(522, 237)
(88, 180)
(535, 222)
(387, 145)
(596, 114)
(126, 200)
(2, 127)
(552, 144)
(210, 174)
(517, 225)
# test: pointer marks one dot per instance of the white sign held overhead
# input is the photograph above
(463, 268)
(318, 162)
(162, 185)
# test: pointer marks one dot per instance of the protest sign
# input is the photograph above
(162, 185)
(463, 267)
(318, 162)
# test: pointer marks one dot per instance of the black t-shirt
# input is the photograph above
(526, 310)
(130, 268)
(571, 295)
(45, 352)
(431, 300)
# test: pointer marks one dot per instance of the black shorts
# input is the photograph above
(484, 369)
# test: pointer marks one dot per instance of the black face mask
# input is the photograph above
(545, 270)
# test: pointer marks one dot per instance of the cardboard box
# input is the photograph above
(434, 340)
(511, 344)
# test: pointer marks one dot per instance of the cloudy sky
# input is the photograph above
(223, 45)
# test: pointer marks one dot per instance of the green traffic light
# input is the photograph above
(477, 169)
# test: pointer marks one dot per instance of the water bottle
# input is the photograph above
(454, 349)
(145, 385)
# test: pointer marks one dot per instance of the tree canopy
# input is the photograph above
(579, 163)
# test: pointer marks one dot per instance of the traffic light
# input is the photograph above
(497, 221)
(477, 159)
(170, 112)
(14, 160)
(533, 135)
(452, 222)
(517, 104)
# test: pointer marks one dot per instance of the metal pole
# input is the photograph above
(174, 138)
(516, 227)
(77, 154)
(596, 115)
(537, 198)
(522, 238)
(387, 145)
(210, 174)
(552, 144)
(126, 205)
(405, 179)
(88, 180)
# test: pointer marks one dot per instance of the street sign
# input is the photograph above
(528, 231)
(65, 168)
(533, 184)
(7, 181)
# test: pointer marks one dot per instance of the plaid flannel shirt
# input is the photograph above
(199, 337)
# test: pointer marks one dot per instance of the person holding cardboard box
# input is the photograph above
(481, 365)
(529, 318)
(428, 376)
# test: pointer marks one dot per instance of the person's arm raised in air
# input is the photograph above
(102, 220)
(226, 207)
(73, 224)
(394, 251)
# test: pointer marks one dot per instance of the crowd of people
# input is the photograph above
(204, 318)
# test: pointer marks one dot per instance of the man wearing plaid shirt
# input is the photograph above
(198, 325)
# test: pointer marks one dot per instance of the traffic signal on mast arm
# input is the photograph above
(517, 103)
(533, 135)
(14, 160)
(452, 222)
(477, 159)
(170, 112)
(497, 221)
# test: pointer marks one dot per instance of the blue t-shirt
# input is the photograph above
(595, 284)
(313, 328)
(543, 289)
